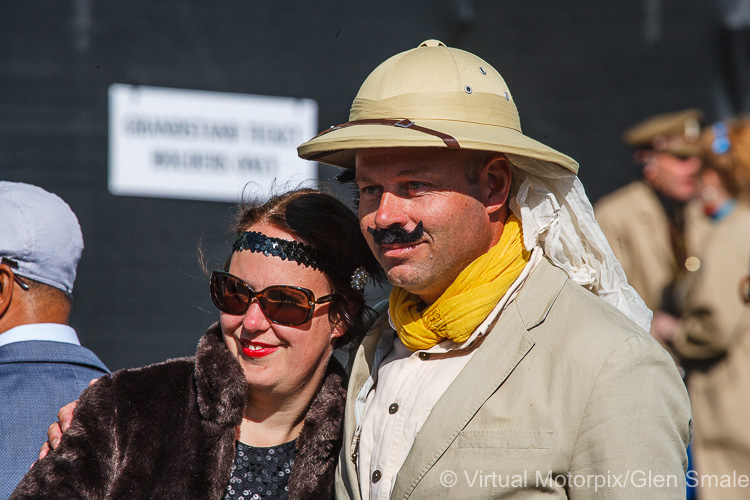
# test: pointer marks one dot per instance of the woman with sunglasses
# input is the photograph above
(257, 412)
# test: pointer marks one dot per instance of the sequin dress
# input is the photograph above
(260, 473)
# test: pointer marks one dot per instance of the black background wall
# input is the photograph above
(580, 72)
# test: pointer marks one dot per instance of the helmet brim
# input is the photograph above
(339, 146)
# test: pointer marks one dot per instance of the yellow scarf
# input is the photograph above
(469, 299)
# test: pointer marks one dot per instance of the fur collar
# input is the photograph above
(220, 382)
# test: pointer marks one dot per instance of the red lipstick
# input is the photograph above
(256, 349)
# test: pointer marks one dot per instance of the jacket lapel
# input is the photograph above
(501, 351)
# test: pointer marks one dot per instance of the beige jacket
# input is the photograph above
(565, 398)
(713, 342)
(636, 226)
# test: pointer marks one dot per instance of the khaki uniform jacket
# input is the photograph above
(636, 226)
(713, 342)
(564, 398)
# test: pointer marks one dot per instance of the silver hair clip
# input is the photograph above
(359, 278)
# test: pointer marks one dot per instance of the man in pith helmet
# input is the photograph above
(650, 224)
(514, 360)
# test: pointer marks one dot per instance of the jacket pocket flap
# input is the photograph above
(520, 439)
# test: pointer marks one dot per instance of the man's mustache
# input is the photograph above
(396, 234)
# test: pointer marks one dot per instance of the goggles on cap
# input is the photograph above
(14, 265)
(283, 305)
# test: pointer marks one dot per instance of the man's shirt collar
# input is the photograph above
(53, 332)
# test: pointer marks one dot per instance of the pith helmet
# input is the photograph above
(674, 133)
(434, 96)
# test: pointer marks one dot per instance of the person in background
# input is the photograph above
(650, 223)
(513, 361)
(653, 224)
(712, 337)
(257, 412)
(42, 362)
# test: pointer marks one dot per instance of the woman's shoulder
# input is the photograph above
(731, 231)
(160, 381)
(170, 367)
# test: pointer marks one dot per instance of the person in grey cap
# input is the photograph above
(652, 227)
(42, 363)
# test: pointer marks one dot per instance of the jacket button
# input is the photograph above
(393, 408)
(376, 476)
(424, 355)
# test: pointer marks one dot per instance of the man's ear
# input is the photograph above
(6, 288)
(494, 179)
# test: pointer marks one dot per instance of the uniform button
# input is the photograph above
(424, 355)
(376, 476)
(692, 264)
(393, 408)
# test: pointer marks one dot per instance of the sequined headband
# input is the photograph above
(284, 249)
(295, 251)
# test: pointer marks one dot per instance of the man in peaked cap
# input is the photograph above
(42, 362)
(513, 360)
(651, 225)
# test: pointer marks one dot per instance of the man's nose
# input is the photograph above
(390, 211)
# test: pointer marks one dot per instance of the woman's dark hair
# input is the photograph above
(329, 226)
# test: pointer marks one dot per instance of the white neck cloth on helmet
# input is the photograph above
(557, 216)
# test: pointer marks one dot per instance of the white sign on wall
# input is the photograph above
(174, 143)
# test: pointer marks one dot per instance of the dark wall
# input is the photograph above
(580, 73)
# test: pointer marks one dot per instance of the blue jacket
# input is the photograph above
(36, 379)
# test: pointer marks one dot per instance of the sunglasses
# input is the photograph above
(283, 305)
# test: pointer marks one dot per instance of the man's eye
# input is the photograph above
(411, 185)
(368, 190)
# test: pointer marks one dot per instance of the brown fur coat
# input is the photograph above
(168, 430)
